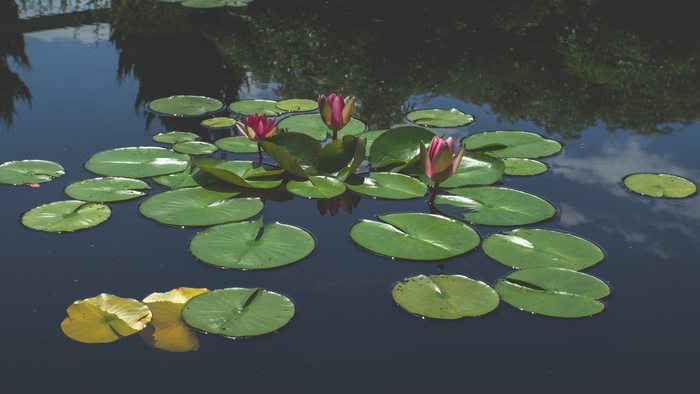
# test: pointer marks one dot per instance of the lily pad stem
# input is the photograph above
(433, 193)
(260, 157)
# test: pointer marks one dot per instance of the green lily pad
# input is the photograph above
(517, 166)
(238, 312)
(557, 292)
(440, 117)
(295, 152)
(194, 147)
(238, 144)
(474, 169)
(317, 187)
(387, 185)
(250, 245)
(396, 147)
(505, 143)
(297, 105)
(65, 216)
(250, 107)
(106, 189)
(192, 176)
(494, 206)
(241, 173)
(137, 162)
(185, 105)
(445, 296)
(415, 236)
(370, 136)
(342, 157)
(29, 171)
(203, 4)
(538, 248)
(199, 206)
(175, 136)
(104, 319)
(660, 185)
(219, 123)
(312, 125)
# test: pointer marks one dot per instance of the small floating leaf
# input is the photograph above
(104, 318)
(194, 147)
(415, 236)
(249, 245)
(29, 171)
(238, 312)
(238, 144)
(538, 248)
(137, 162)
(317, 187)
(445, 296)
(203, 4)
(106, 189)
(66, 216)
(660, 185)
(505, 143)
(297, 105)
(185, 105)
(175, 136)
(387, 185)
(250, 107)
(440, 117)
(517, 166)
(557, 292)
(219, 123)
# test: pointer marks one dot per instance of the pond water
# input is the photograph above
(618, 86)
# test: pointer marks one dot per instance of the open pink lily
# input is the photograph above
(335, 111)
(256, 127)
(439, 161)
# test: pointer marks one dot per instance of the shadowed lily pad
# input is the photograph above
(387, 185)
(65, 216)
(137, 162)
(192, 176)
(185, 105)
(105, 318)
(241, 173)
(203, 4)
(29, 171)
(660, 185)
(445, 296)
(505, 143)
(396, 147)
(106, 189)
(440, 117)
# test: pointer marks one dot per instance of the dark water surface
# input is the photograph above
(621, 94)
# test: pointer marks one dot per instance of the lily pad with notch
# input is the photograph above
(387, 185)
(440, 117)
(107, 189)
(660, 185)
(506, 143)
(23, 172)
(317, 187)
(65, 216)
(137, 162)
(186, 106)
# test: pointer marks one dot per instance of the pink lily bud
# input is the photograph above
(335, 111)
(256, 127)
(439, 161)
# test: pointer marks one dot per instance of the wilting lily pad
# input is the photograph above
(557, 292)
(494, 206)
(440, 117)
(238, 144)
(137, 162)
(29, 171)
(396, 147)
(297, 105)
(517, 166)
(105, 318)
(66, 216)
(194, 147)
(175, 136)
(167, 330)
(106, 189)
(317, 187)
(250, 245)
(199, 206)
(538, 248)
(250, 107)
(505, 143)
(660, 185)
(415, 236)
(241, 173)
(238, 312)
(219, 123)
(185, 105)
(192, 176)
(474, 169)
(387, 185)
(445, 296)
(312, 125)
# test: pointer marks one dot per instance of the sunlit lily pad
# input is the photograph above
(415, 236)
(199, 206)
(241, 173)
(517, 166)
(495, 206)
(203, 4)
(185, 105)
(238, 312)
(106, 189)
(65, 216)
(250, 107)
(660, 185)
(167, 330)
(396, 147)
(557, 292)
(137, 162)
(505, 143)
(105, 318)
(317, 187)
(474, 169)
(219, 123)
(387, 185)
(440, 117)
(250, 245)
(312, 125)
(539, 248)
(175, 136)
(192, 176)
(445, 296)
(194, 147)
(297, 105)
(238, 144)
(29, 171)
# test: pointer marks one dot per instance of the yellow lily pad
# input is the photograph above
(105, 318)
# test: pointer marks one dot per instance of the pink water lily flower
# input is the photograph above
(335, 111)
(256, 127)
(439, 161)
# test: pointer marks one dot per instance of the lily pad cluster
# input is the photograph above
(169, 321)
